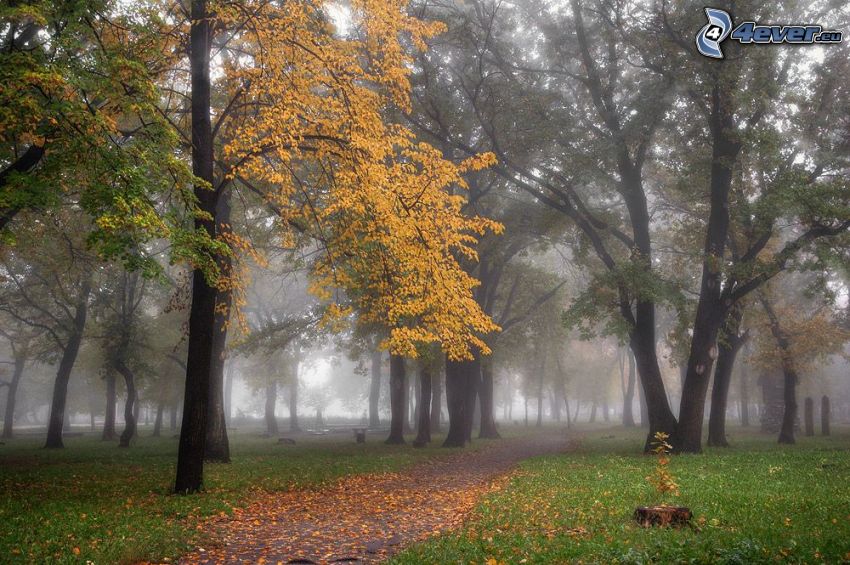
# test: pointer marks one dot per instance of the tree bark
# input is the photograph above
(809, 416)
(375, 390)
(423, 406)
(293, 399)
(398, 400)
(436, 402)
(217, 446)
(271, 402)
(659, 417)
(66, 364)
(824, 415)
(157, 422)
(12, 393)
(129, 406)
(458, 375)
(193, 432)
(744, 383)
(488, 429)
(711, 309)
(789, 415)
(729, 346)
(628, 390)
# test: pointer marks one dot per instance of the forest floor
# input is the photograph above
(368, 517)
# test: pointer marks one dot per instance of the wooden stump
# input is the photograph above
(650, 516)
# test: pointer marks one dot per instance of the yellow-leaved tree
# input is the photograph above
(306, 118)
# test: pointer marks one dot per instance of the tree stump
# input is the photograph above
(824, 415)
(668, 516)
(809, 416)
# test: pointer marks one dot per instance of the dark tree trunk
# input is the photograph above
(809, 416)
(540, 375)
(271, 402)
(436, 402)
(228, 394)
(605, 409)
(415, 396)
(458, 375)
(569, 419)
(129, 406)
(789, 415)
(172, 425)
(293, 399)
(423, 406)
(711, 309)
(193, 432)
(744, 374)
(488, 429)
(398, 400)
(217, 447)
(11, 395)
(375, 390)
(157, 422)
(729, 346)
(629, 390)
(592, 418)
(824, 415)
(63, 375)
(642, 343)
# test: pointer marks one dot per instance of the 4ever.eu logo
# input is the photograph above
(719, 28)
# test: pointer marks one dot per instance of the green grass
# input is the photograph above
(113, 505)
(755, 502)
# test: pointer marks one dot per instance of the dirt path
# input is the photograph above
(366, 518)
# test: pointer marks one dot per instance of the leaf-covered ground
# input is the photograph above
(756, 502)
(365, 518)
(94, 501)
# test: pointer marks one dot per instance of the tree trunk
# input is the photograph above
(217, 447)
(809, 416)
(488, 429)
(293, 399)
(157, 423)
(423, 406)
(193, 433)
(63, 375)
(541, 374)
(11, 395)
(789, 415)
(729, 345)
(458, 375)
(824, 415)
(659, 417)
(436, 402)
(744, 375)
(629, 390)
(375, 390)
(172, 425)
(592, 419)
(271, 402)
(129, 414)
(711, 309)
(228, 394)
(415, 396)
(398, 400)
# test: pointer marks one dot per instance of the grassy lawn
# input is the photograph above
(94, 501)
(755, 502)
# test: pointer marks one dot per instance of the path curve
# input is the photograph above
(367, 518)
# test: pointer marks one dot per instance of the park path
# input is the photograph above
(367, 518)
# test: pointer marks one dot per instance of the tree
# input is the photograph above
(51, 292)
(21, 338)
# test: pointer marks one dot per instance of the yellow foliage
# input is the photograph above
(386, 208)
